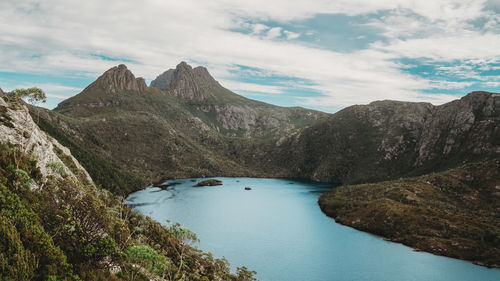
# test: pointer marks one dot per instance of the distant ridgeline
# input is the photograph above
(185, 124)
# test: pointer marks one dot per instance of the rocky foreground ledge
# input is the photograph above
(454, 213)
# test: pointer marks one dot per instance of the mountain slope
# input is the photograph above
(389, 139)
(194, 128)
(226, 111)
(114, 81)
(453, 213)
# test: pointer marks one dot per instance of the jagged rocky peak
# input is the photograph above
(1, 92)
(186, 82)
(119, 78)
(162, 81)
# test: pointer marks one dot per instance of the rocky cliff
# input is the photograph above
(185, 82)
(389, 139)
(116, 80)
(162, 81)
(19, 129)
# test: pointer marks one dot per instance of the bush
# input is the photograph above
(16, 263)
(57, 167)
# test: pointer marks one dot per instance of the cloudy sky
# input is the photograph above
(319, 54)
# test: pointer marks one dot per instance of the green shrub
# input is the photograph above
(21, 179)
(16, 263)
(57, 167)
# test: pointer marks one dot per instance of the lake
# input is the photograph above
(278, 230)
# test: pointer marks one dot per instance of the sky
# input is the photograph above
(318, 54)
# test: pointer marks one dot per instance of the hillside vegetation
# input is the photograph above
(55, 224)
(453, 213)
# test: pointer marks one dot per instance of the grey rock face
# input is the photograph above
(187, 82)
(30, 138)
(1, 92)
(236, 117)
(162, 81)
(470, 124)
(118, 79)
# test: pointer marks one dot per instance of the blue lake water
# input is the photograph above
(278, 230)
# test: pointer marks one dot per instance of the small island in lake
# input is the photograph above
(211, 182)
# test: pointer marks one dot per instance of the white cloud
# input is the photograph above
(274, 33)
(291, 35)
(258, 28)
(59, 37)
(449, 85)
(237, 86)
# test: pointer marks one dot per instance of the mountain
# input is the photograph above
(389, 139)
(55, 224)
(187, 124)
(189, 84)
(116, 80)
(452, 213)
(194, 128)
(226, 111)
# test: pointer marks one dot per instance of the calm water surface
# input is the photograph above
(278, 230)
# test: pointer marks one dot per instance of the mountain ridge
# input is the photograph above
(363, 143)
(397, 138)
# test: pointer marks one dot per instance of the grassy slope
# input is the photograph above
(453, 213)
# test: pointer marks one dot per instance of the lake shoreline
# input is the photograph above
(416, 249)
(431, 213)
(254, 228)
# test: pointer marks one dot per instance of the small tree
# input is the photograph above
(143, 257)
(33, 95)
(185, 237)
